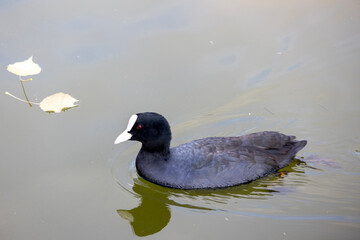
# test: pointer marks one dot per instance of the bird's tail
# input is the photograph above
(298, 145)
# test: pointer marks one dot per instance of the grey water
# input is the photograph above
(213, 68)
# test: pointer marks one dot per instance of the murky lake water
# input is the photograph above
(213, 69)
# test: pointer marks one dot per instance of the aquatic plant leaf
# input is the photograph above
(58, 102)
(25, 68)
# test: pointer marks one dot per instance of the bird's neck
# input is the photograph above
(160, 151)
(153, 165)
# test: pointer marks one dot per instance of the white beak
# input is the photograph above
(126, 135)
(123, 137)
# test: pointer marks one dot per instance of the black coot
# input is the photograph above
(214, 162)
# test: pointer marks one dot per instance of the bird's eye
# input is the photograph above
(138, 127)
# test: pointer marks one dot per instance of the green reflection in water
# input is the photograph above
(153, 213)
(150, 217)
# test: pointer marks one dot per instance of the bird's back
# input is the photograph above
(225, 161)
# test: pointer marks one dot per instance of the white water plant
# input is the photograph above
(24, 68)
(54, 103)
(58, 102)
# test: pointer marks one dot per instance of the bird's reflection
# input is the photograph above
(151, 216)
(153, 213)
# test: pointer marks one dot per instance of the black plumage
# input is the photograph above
(214, 162)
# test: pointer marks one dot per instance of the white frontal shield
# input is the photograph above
(126, 135)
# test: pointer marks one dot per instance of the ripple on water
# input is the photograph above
(244, 199)
(293, 194)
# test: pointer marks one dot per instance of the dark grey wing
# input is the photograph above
(281, 146)
(230, 166)
(266, 140)
(236, 160)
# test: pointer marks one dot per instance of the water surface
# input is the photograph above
(213, 69)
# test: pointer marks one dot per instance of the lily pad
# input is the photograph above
(58, 102)
(25, 68)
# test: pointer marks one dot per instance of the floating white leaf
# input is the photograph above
(25, 68)
(58, 102)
